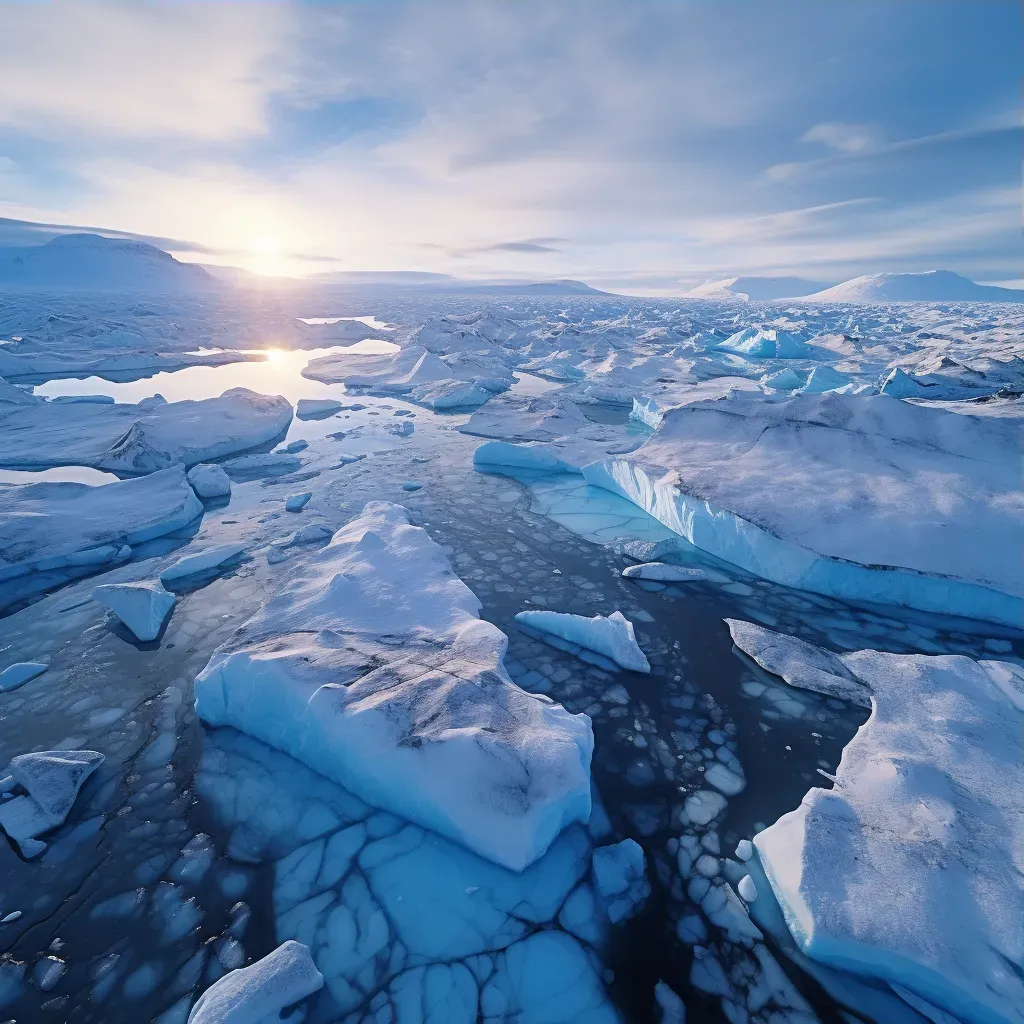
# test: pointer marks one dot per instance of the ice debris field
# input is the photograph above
(527, 659)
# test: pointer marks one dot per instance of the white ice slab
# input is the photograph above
(611, 636)
(142, 607)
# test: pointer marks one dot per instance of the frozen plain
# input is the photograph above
(193, 851)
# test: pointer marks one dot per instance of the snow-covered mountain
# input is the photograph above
(97, 262)
(929, 286)
(755, 289)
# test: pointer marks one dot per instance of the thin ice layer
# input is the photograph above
(372, 667)
(910, 870)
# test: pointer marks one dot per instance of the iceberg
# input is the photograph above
(909, 869)
(258, 994)
(371, 666)
(611, 636)
(142, 607)
(51, 780)
(209, 481)
(765, 343)
(864, 498)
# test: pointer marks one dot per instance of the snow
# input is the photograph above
(71, 528)
(133, 439)
(209, 481)
(201, 561)
(19, 674)
(430, 728)
(142, 607)
(258, 994)
(619, 874)
(909, 869)
(51, 780)
(611, 636)
(859, 497)
(927, 286)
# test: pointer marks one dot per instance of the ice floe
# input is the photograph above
(202, 561)
(51, 780)
(143, 607)
(909, 869)
(610, 636)
(17, 675)
(209, 481)
(371, 666)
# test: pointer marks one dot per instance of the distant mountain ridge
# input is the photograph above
(89, 261)
(927, 286)
(754, 289)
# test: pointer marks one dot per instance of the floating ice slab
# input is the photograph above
(202, 561)
(308, 408)
(19, 674)
(258, 993)
(71, 526)
(394, 373)
(142, 607)
(859, 497)
(909, 870)
(611, 636)
(664, 572)
(140, 438)
(371, 666)
(619, 873)
(262, 463)
(209, 481)
(297, 502)
(521, 418)
(51, 780)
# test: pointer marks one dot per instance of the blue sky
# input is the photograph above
(639, 145)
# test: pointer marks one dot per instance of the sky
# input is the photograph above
(640, 145)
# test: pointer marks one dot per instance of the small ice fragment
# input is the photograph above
(744, 849)
(12, 916)
(411, 485)
(663, 572)
(702, 806)
(619, 875)
(747, 889)
(19, 674)
(48, 972)
(297, 502)
(209, 481)
(142, 607)
(201, 561)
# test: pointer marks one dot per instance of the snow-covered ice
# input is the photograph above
(209, 481)
(143, 607)
(611, 636)
(22, 672)
(371, 666)
(51, 780)
(909, 869)
(202, 561)
(260, 992)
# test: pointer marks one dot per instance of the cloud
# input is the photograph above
(847, 138)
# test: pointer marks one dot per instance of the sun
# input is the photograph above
(266, 257)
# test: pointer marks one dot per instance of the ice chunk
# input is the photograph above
(19, 674)
(258, 993)
(619, 873)
(671, 1007)
(268, 463)
(513, 417)
(747, 889)
(209, 481)
(611, 636)
(908, 870)
(765, 343)
(142, 607)
(309, 408)
(702, 806)
(448, 395)
(497, 455)
(663, 572)
(395, 373)
(202, 561)
(371, 666)
(51, 780)
(801, 664)
(297, 502)
(64, 525)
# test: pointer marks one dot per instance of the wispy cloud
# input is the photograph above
(847, 138)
